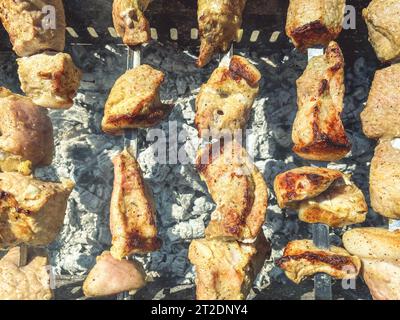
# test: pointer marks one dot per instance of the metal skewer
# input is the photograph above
(130, 135)
(322, 281)
(23, 255)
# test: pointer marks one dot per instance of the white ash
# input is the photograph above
(84, 154)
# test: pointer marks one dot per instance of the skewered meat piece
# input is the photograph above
(226, 270)
(318, 132)
(130, 22)
(237, 187)
(31, 211)
(382, 18)
(219, 25)
(132, 212)
(29, 282)
(381, 117)
(134, 101)
(225, 101)
(385, 179)
(25, 131)
(302, 259)
(314, 22)
(379, 250)
(321, 196)
(110, 277)
(27, 25)
(50, 80)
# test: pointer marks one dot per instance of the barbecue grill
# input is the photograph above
(183, 203)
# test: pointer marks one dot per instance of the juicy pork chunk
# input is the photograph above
(314, 22)
(302, 259)
(132, 212)
(219, 25)
(26, 24)
(381, 117)
(130, 22)
(321, 196)
(29, 282)
(225, 101)
(379, 250)
(226, 270)
(111, 276)
(134, 101)
(26, 131)
(318, 132)
(237, 187)
(383, 21)
(31, 211)
(50, 80)
(385, 179)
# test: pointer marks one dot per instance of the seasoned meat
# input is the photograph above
(379, 250)
(314, 22)
(303, 183)
(132, 212)
(302, 259)
(30, 282)
(110, 276)
(219, 25)
(50, 80)
(134, 101)
(384, 181)
(381, 117)
(31, 211)
(226, 270)
(321, 196)
(25, 129)
(237, 187)
(382, 18)
(318, 132)
(14, 163)
(130, 22)
(225, 101)
(25, 22)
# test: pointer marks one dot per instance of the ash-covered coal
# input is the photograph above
(84, 153)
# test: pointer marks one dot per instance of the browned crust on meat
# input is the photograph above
(289, 187)
(146, 120)
(313, 33)
(241, 68)
(335, 261)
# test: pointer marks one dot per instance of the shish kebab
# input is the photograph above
(313, 29)
(133, 103)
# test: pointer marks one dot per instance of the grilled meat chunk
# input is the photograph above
(314, 22)
(130, 22)
(225, 101)
(379, 250)
(25, 129)
(237, 187)
(321, 196)
(110, 277)
(226, 270)
(50, 80)
(381, 117)
(318, 132)
(382, 18)
(31, 211)
(132, 212)
(302, 259)
(30, 282)
(385, 179)
(219, 25)
(28, 27)
(134, 101)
